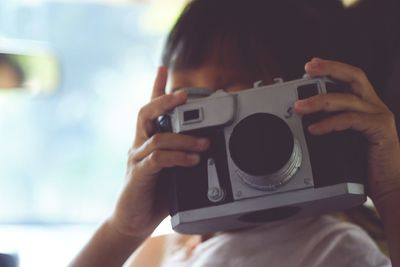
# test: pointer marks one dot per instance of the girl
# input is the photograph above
(230, 44)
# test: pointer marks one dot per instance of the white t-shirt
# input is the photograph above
(321, 241)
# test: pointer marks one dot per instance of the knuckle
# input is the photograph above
(353, 116)
(360, 74)
(142, 111)
(131, 160)
(347, 96)
(155, 158)
(390, 117)
(156, 141)
(131, 153)
(351, 99)
(132, 156)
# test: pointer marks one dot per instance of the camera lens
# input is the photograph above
(261, 144)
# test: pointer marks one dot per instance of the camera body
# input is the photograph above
(262, 165)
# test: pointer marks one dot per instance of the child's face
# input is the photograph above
(209, 76)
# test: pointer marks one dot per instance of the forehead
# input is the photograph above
(210, 76)
(220, 65)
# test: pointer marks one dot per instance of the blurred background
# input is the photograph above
(77, 71)
(66, 130)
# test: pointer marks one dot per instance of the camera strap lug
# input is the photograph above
(258, 84)
(278, 80)
(215, 192)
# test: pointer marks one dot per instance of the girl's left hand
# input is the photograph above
(361, 110)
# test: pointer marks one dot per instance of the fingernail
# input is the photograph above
(193, 158)
(300, 103)
(312, 65)
(312, 128)
(202, 142)
(316, 59)
(161, 69)
(179, 93)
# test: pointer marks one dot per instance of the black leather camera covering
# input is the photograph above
(338, 156)
(188, 187)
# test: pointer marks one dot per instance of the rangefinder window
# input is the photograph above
(307, 90)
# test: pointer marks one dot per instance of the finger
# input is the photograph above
(161, 159)
(334, 102)
(171, 141)
(160, 82)
(371, 125)
(162, 105)
(151, 111)
(343, 72)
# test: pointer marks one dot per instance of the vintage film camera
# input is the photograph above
(263, 164)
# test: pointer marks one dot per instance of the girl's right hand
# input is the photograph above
(139, 208)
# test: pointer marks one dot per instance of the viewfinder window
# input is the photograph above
(191, 115)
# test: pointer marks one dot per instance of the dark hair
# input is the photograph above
(260, 38)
